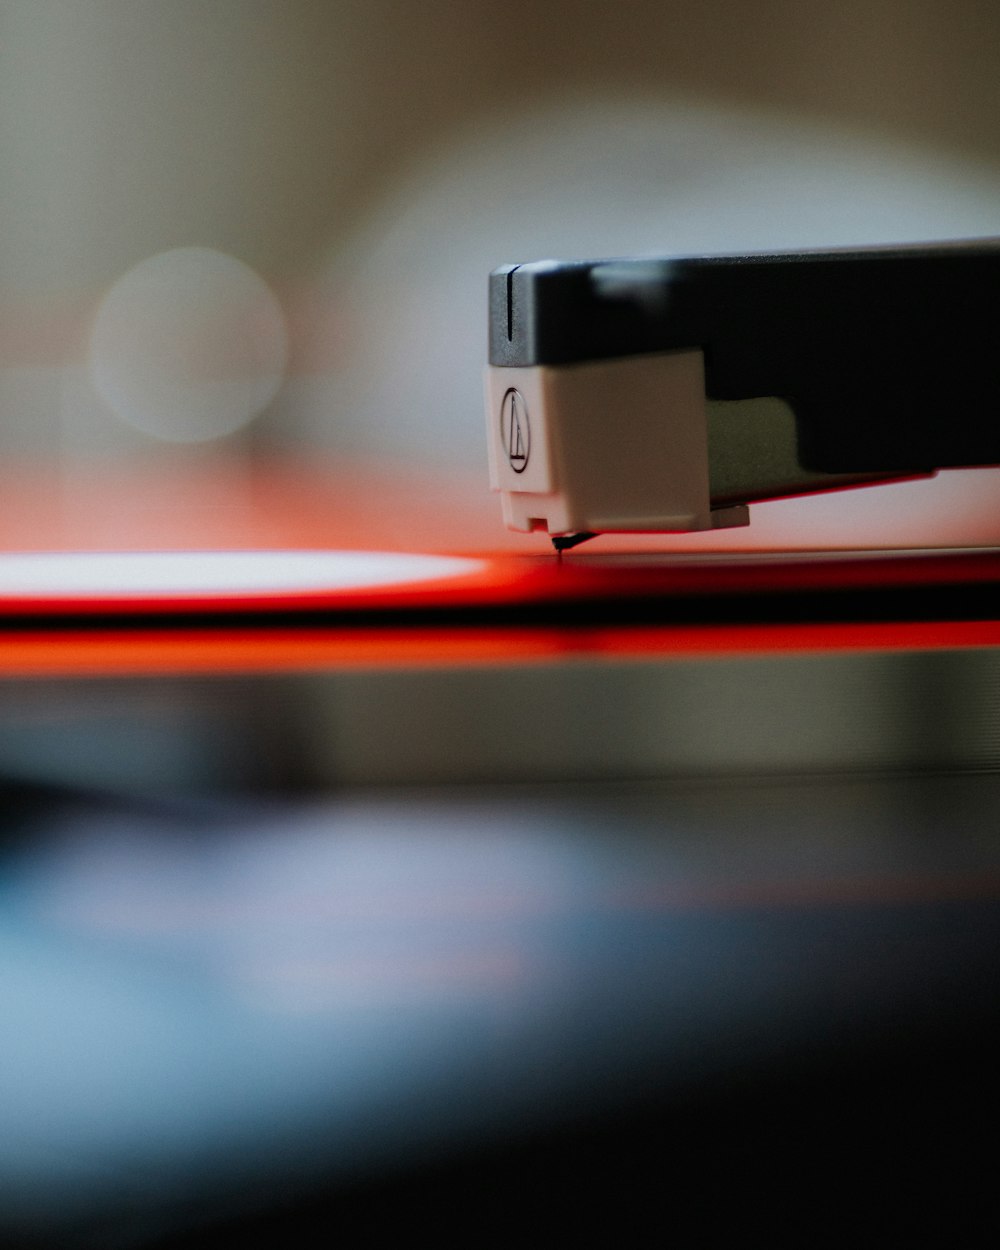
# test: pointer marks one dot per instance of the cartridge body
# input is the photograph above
(666, 394)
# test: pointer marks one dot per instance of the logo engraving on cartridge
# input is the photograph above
(515, 431)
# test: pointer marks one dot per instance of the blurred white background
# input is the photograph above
(264, 226)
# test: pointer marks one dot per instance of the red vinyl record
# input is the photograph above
(240, 609)
(223, 566)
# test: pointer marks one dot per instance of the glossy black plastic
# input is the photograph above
(889, 356)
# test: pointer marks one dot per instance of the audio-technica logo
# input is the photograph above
(515, 431)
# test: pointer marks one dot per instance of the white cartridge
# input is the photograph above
(606, 446)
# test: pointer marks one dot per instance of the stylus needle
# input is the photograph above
(564, 542)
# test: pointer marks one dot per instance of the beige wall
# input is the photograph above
(266, 127)
(356, 154)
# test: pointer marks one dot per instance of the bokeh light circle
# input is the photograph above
(189, 345)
